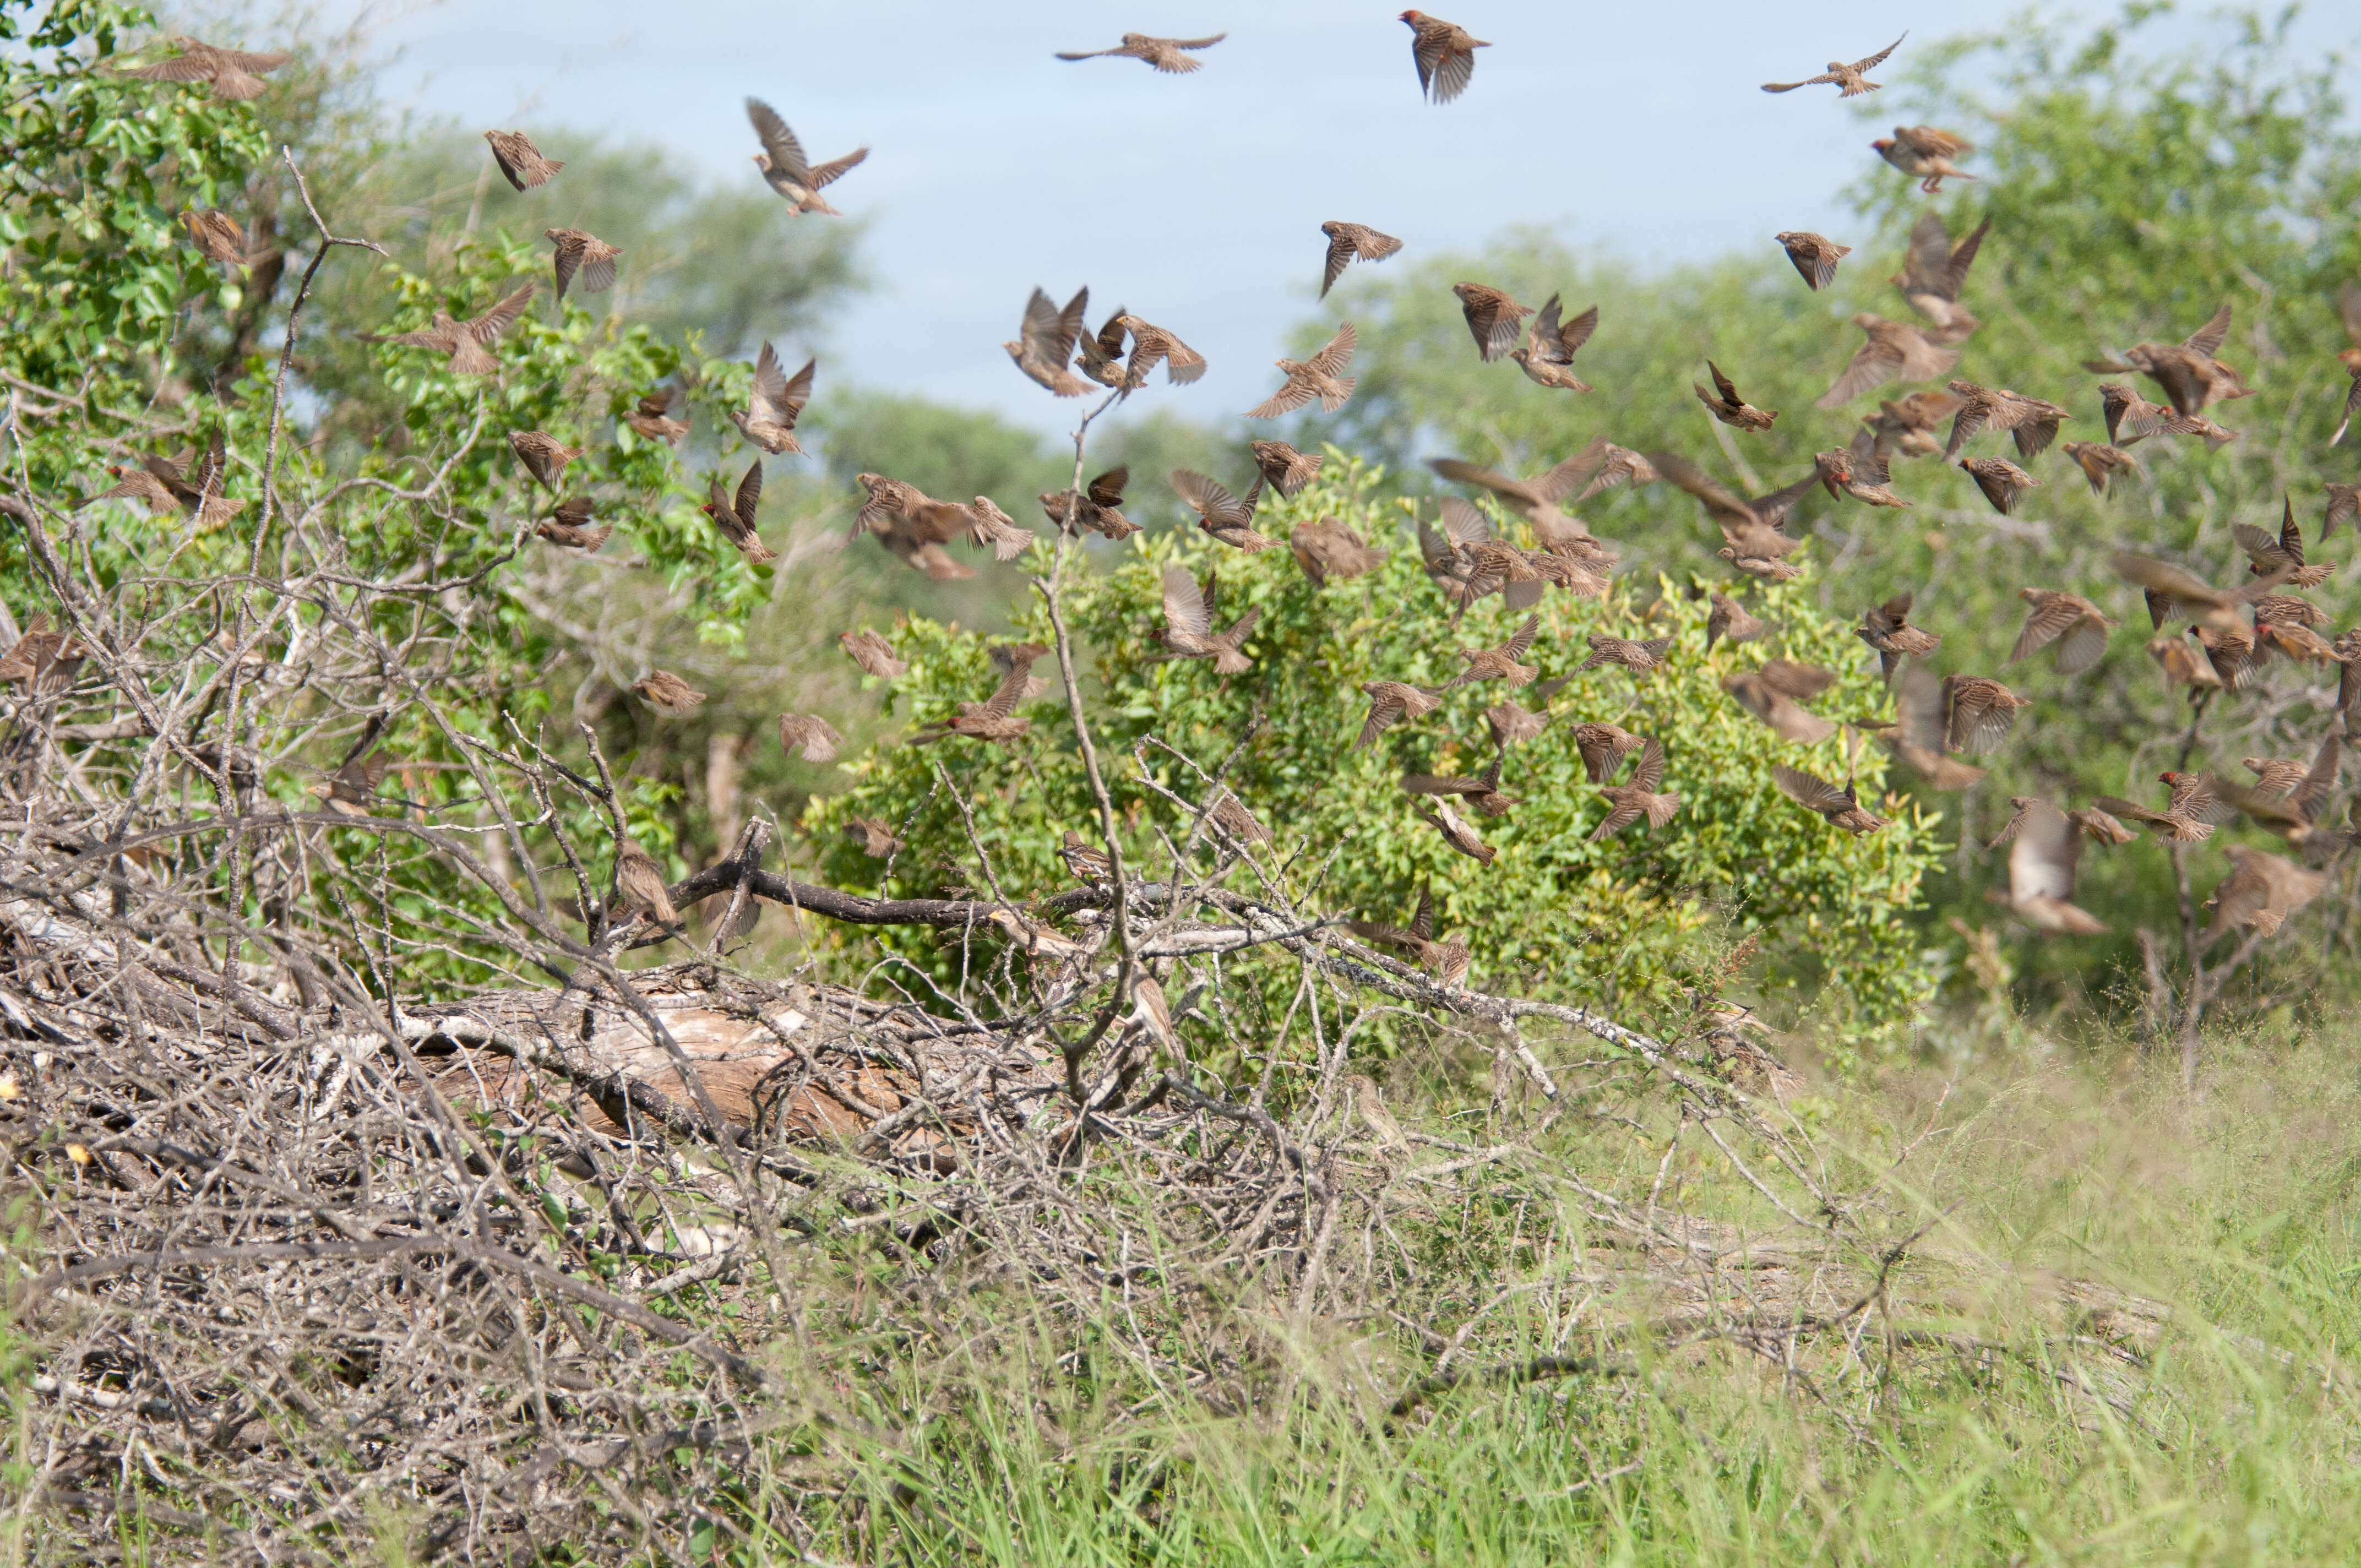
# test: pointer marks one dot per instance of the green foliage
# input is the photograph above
(1627, 920)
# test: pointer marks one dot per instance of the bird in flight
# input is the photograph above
(1172, 56)
(1444, 53)
(1850, 81)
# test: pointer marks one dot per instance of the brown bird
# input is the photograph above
(1761, 695)
(785, 168)
(1167, 55)
(639, 880)
(1494, 320)
(1639, 658)
(809, 735)
(2343, 501)
(1728, 617)
(1850, 81)
(1499, 663)
(2191, 813)
(1534, 499)
(995, 718)
(1188, 629)
(2290, 797)
(1888, 349)
(1916, 737)
(2001, 480)
(1468, 564)
(1814, 256)
(218, 236)
(1927, 153)
(2261, 891)
(774, 403)
(2046, 845)
(1603, 746)
(2132, 419)
(1887, 629)
(1630, 803)
(1609, 466)
(2278, 777)
(914, 527)
(231, 74)
(1086, 861)
(1482, 792)
(874, 835)
(1281, 467)
(1328, 548)
(1979, 713)
(1101, 352)
(351, 789)
(544, 457)
(653, 416)
(1728, 406)
(468, 343)
(735, 516)
(191, 483)
(1231, 816)
(1315, 378)
(2230, 651)
(2283, 557)
(1456, 832)
(2191, 377)
(582, 254)
(2175, 593)
(1905, 425)
(1219, 513)
(2099, 461)
(667, 693)
(1044, 344)
(1513, 725)
(1390, 702)
(1007, 656)
(2348, 309)
(1742, 523)
(1447, 959)
(993, 529)
(521, 161)
(45, 661)
(2079, 628)
(569, 526)
(1151, 345)
(2033, 422)
(1098, 508)
(1865, 480)
(1933, 272)
(1547, 356)
(872, 653)
(1444, 54)
(1351, 242)
(1841, 808)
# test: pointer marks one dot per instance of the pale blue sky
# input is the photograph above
(1635, 129)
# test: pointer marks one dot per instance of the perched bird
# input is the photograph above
(2132, 419)
(1933, 272)
(1917, 739)
(2191, 377)
(1889, 349)
(653, 416)
(1639, 658)
(1630, 803)
(872, 653)
(1328, 548)
(1447, 959)
(1727, 406)
(231, 74)
(1905, 425)
(1494, 319)
(1086, 861)
(1351, 242)
(811, 736)
(1887, 629)
(993, 529)
(1482, 792)
(667, 693)
(1980, 713)
(1815, 256)
(2045, 847)
(2261, 891)
(785, 168)
(1925, 152)
(582, 254)
(1219, 512)
(2032, 422)
(218, 236)
(1444, 54)
(2099, 462)
(1865, 480)
(1188, 629)
(2191, 813)
(734, 516)
(1231, 816)
(995, 718)
(1456, 832)
(1152, 345)
(1499, 663)
(1282, 467)
(569, 526)
(1044, 344)
(1850, 81)
(1841, 808)
(640, 882)
(521, 161)
(1728, 617)
(1315, 378)
(1168, 55)
(1603, 746)
(1390, 702)
(1761, 695)
(468, 343)
(874, 835)
(1547, 356)
(2001, 480)
(2281, 558)
(2079, 628)
(1099, 507)
(544, 457)
(773, 403)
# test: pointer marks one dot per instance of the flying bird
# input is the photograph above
(1887, 629)
(1547, 356)
(1905, 425)
(1980, 713)
(1726, 618)
(1640, 798)
(995, 718)
(1317, 377)
(2191, 377)
(568, 526)
(2001, 480)
(1761, 695)
(2030, 421)
(872, 653)
(1457, 833)
(582, 254)
(653, 416)
(810, 736)
(1850, 81)
(667, 693)
(1933, 272)
(2261, 891)
(521, 161)
(1866, 479)
(1044, 344)
(1348, 243)
(231, 74)
(1927, 153)
(468, 343)
(992, 529)
(1098, 508)
(1727, 406)
(1390, 702)
(784, 167)
(914, 527)
(1841, 808)
(1639, 658)
(2045, 845)
(2281, 557)
(221, 239)
(1219, 513)
(734, 516)
(1494, 319)
(1815, 256)
(1327, 548)
(1917, 739)
(1151, 345)
(773, 403)
(2132, 419)
(2077, 626)
(1447, 959)
(2192, 811)
(1445, 55)
(1172, 56)
(1889, 350)
(2348, 309)
(1482, 792)
(545, 457)
(1499, 663)
(1188, 629)
(1281, 467)
(2099, 462)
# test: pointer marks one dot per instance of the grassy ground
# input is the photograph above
(1974, 1424)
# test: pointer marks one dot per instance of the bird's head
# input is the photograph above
(763, 161)
(1521, 355)
(552, 234)
(870, 481)
(1414, 18)
(1866, 319)
(1883, 146)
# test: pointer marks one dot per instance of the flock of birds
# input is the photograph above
(2235, 630)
